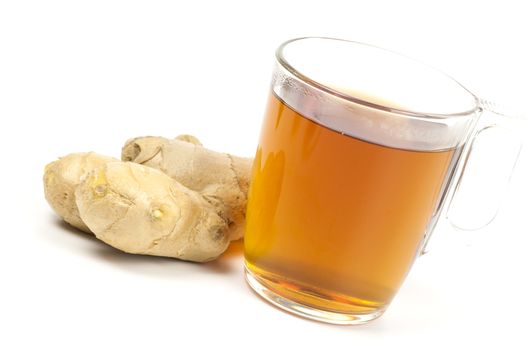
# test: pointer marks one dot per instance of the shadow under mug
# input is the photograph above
(360, 152)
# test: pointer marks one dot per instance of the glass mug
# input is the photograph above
(359, 153)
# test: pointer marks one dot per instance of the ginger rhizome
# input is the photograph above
(141, 210)
(223, 179)
(190, 207)
(62, 177)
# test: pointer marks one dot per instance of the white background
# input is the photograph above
(87, 75)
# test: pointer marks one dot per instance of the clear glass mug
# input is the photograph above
(360, 151)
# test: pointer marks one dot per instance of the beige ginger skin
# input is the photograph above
(223, 179)
(62, 177)
(192, 214)
(141, 210)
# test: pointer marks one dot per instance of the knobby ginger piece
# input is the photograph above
(141, 210)
(222, 179)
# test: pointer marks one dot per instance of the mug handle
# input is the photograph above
(485, 169)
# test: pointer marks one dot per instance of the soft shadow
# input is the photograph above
(73, 230)
(154, 266)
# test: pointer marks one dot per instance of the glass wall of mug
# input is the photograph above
(357, 153)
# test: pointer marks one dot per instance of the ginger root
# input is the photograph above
(221, 178)
(62, 177)
(141, 210)
(192, 214)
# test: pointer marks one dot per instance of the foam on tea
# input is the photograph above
(380, 84)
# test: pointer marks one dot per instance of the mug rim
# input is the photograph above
(348, 97)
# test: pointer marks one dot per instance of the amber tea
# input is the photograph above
(334, 222)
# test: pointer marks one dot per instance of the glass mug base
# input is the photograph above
(281, 296)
